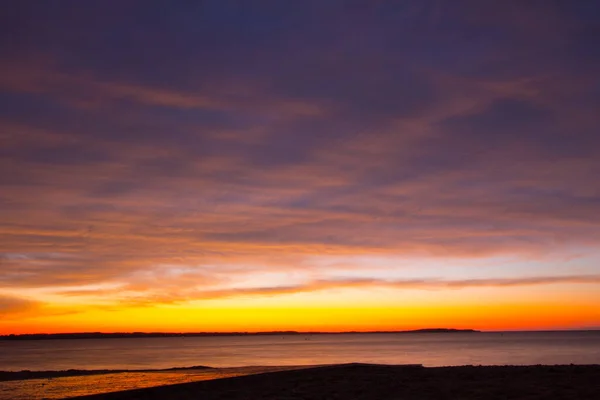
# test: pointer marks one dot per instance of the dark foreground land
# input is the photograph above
(362, 381)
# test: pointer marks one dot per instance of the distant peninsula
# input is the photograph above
(133, 335)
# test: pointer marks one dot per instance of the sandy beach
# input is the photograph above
(370, 381)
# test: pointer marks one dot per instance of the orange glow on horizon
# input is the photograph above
(323, 319)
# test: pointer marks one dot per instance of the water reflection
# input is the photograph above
(58, 388)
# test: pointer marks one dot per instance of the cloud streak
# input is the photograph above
(157, 294)
(417, 284)
(16, 305)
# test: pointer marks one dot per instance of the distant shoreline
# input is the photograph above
(134, 335)
(138, 335)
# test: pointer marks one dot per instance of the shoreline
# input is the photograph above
(48, 374)
(137, 335)
(143, 335)
(75, 372)
(27, 374)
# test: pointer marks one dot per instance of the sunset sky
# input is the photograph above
(327, 165)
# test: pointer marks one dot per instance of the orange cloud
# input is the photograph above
(16, 305)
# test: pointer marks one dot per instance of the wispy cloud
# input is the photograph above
(16, 305)
(187, 291)
(420, 284)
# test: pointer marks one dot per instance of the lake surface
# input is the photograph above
(429, 349)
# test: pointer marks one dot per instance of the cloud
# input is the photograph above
(16, 305)
(15, 309)
(418, 284)
(183, 292)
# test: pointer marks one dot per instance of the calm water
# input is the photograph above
(428, 349)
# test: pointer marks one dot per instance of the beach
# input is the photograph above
(372, 381)
(34, 385)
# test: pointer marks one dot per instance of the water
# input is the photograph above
(430, 349)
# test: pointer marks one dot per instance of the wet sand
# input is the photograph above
(362, 381)
(37, 385)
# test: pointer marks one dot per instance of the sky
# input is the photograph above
(324, 165)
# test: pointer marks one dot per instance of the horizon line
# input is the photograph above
(294, 332)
